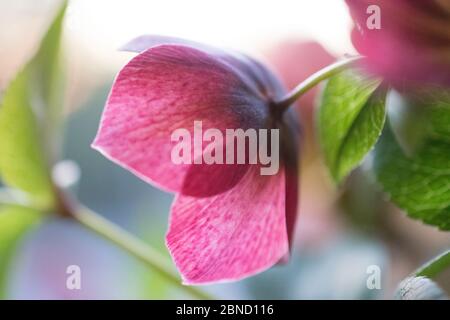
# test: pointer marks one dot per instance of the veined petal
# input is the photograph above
(252, 72)
(232, 235)
(165, 88)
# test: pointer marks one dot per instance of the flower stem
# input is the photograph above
(316, 78)
(134, 246)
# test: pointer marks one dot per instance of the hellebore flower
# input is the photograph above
(227, 221)
(412, 45)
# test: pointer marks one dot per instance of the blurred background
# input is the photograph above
(340, 233)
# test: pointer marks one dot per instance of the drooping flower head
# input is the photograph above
(227, 221)
(411, 45)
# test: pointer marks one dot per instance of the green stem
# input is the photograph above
(315, 79)
(134, 246)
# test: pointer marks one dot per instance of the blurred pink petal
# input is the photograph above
(232, 235)
(413, 44)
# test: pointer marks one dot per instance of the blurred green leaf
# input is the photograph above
(435, 266)
(27, 114)
(22, 160)
(419, 184)
(46, 75)
(351, 118)
(15, 221)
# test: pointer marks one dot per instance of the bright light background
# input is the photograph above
(237, 24)
(96, 28)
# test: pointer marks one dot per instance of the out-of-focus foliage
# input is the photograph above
(22, 160)
(435, 266)
(27, 114)
(15, 221)
(28, 111)
(47, 76)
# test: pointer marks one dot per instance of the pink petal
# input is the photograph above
(412, 45)
(253, 73)
(232, 235)
(169, 87)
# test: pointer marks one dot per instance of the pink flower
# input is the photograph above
(227, 221)
(412, 45)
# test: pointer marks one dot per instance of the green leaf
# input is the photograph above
(26, 117)
(15, 221)
(435, 266)
(438, 103)
(22, 160)
(409, 121)
(46, 73)
(350, 120)
(420, 115)
(419, 183)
